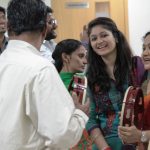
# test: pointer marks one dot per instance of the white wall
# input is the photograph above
(47, 2)
(4, 3)
(139, 22)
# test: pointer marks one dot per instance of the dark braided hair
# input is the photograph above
(67, 46)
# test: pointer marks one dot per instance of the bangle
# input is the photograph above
(106, 148)
(95, 137)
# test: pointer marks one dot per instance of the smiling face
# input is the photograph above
(102, 41)
(146, 52)
(76, 61)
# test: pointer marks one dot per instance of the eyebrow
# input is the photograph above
(146, 44)
(103, 32)
(93, 35)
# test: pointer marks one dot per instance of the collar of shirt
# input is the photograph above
(22, 46)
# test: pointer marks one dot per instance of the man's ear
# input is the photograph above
(65, 58)
(44, 32)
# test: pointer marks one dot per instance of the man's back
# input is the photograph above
(19, 69)
(30, 80)
(36, 111)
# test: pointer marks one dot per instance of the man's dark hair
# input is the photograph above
(49, 10)
(2, 9)
(26, 15)
(51, 33)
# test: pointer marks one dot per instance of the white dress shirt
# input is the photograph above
(47, 49)
(36, 110)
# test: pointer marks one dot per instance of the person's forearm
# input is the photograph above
(98, 138)
(73, 132)
(132, 134)
(75, 128)
(147, 134)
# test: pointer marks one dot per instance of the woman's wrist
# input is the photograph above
(106, 148)
(95, 137)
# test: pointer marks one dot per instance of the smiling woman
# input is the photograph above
(146, 51)
(132, 134)
(109, 75)
(106, 44)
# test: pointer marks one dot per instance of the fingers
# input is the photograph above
(123, 133)
(87, 103)
(129, 134)
(123, 129)
(78, 105)
(83, 34)
(85, 27)
(132, 121)
(126, 130)
(75, 98)
(119, 114)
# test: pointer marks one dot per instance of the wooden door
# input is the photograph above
(73, 14)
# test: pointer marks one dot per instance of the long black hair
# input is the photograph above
(67, 46)
(96, 72)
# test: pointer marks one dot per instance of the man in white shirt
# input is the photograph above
(49, 44)
(36, 110)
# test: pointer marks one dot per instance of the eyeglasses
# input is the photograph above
(52, 22)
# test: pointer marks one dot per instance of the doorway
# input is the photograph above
(72, 15)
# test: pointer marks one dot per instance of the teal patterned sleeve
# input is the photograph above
(93, 121)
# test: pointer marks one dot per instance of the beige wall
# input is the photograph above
(71, 20)
(139, 23)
